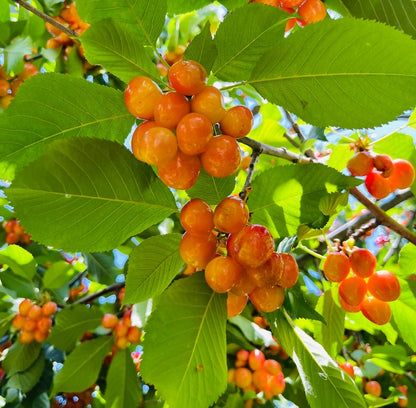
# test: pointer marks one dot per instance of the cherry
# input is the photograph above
(311, 11)
(349, 308)
(35, 312)
(373, 388)
(242, 377)
(44, 324)
(336, 266)
(187, 77)
(291, 3)
(138, 135)
(237, 122)
(353, 290)
(194, 131)
(209, 102)
(133, 334)
(222, 273)
(49, 308)
(267, 299)
(173, 56)
(402, 176)
(141, 96)
(290, 271)
(18, 321)
(360, 164)
(252, 246)
(261, 379)
(231, 215)
(363, 262)
(25, 306)
(267, 274)
(384, 164)
(384, 285)
(245, 285)
(221, 157)
(376, 310)
(241, 358)
(170, 108)
(272, 366)
(197, 216)
(109, 321)
(377, 185)
(256, 359)
(348, 368)
(26, 337)
(197, 249)
(4, 87)
(277, 384)
(181, 172)
(235, 304)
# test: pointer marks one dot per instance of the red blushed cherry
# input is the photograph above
(384, 285)
(336, 266)
(377, 185)
(311, 11)
(353, 290)
(363, 262)
(290, 271)
(256, 359)
(187, 77)
(222, 273)
(237, 122)
(376, 310)
(170, 108)
(267, 274)
(348, 308)
(348, 368)
(373, 388)
(384, 164)
(360, 164)
(403, 174)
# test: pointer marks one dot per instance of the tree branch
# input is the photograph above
(112, 288)
(47, 18)
(383, 218)
(254, 157)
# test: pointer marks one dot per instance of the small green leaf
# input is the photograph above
(152, 266)
(211, 189)
(101, 266)
(19, 260)
(123, 387)
(27, 128)
(119, 50)
(20, 357)
(74, 195)
(185, 346)
(184, 6)
(71, 323)
(58, 275)
(252, 331)
(82, 366)
(16, 285)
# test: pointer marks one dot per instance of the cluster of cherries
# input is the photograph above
(123, 329)
(382, 174)
(15, 233)
(365, 289)
(238, 259)
(10, 84)
(253, 372)
(309, 11)
(34, 321)
(177, 134)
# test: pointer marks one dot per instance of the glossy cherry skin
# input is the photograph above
(187, 77)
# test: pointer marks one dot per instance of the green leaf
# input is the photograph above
(58, 275)
(19, 260)
(123, 387)
(152, 266)
(252, 331)
(202, 48)
(185, 347)
(88, 195)
(184, 6)
(146, 17)
(71, 323)
(5, 320)
(397, 13)
(101, 267)
(14, 53)
(82, 366)
(331, 334)
(20, 357)
(286, 197)
(243, 37)
(211, 189)
(53, 106)
(16, 285)
(4, 10)
(118, 50)
(349, 76)
(407, 261)
(27, 379)
(325, 384)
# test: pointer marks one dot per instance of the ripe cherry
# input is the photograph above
(138, 135)
(353, 290)
(133, 334)
(44, 324)
(194, 131)
(109, 321)
(290, 271)
(336, 266)
(231, 215)
(267, 299)
(4, 87)
(221, 157)
(252, 246)
(261, 379)
(49, 308)
(384, 285)
(363, 262)
(277, 384)
(197, 216)
(187, 77)
(170, 108)
(245, 285)
(267, 274)
(348, 368)
(360, 164)
(376, 310)
(291, 3)
(242, 357)
(272, 366)
(235, 304)
(242, 377)
(35, 312)
(377, 185)
(403, 174)
(181, 172)
(25, 306)
(373, 388)
(209, 102)
(26, 337)
(197, 249)
(141, 96)
(222, 273)
(237, 122)
(256, 359)
(349, 308)
(18, 321)
(384, 164)
(311, 11)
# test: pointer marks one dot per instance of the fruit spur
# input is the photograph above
(238, 257)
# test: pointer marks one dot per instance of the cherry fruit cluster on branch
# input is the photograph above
(361, 287)
(15, 233)
(238, 258)
(253, 372)
(177, 134)
(382, 174)
(34, 321)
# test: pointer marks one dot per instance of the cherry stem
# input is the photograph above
(47, 18)
(112, 288)
(383, 218)
(310, 252)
